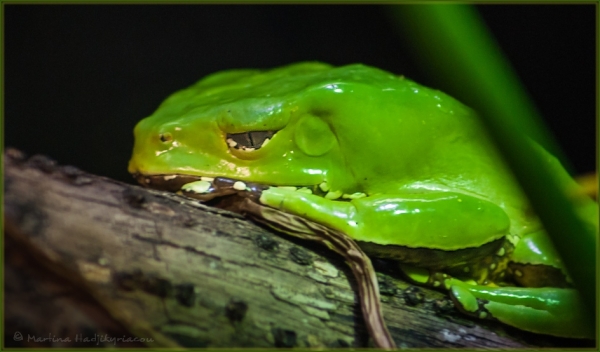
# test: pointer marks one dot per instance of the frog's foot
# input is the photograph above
(543, 310)
(547, 310)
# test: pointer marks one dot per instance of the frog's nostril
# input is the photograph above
(249, 141)
(165, 137)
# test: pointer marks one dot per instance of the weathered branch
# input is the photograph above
(89, 257)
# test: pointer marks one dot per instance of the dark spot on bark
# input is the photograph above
(266, 243)
(236, 310)
(443, 305)
(386, 286)
(413, 296)
(184, 293)
(220, 233)
(42, 162)
(284, 338)
(129, 281)
(157, 286)
(187, 221)
(300, 256)
(151, 284)
(134, 197)
(29, 218)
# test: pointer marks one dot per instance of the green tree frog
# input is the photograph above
(404, 170)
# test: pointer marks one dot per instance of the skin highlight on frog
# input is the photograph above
(404, 170)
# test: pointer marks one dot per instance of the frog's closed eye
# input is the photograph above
(249, 141)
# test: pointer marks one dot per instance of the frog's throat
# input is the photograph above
(223, 186)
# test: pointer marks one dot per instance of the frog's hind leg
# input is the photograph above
(546, 304)
(543, 310)
(547, 310)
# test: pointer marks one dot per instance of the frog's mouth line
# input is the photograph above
(207, 188)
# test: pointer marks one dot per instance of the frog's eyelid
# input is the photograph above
(250, 140)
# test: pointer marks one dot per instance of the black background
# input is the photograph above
(78, 77)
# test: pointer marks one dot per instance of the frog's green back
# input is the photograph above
(358, 128)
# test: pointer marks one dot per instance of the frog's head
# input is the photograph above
(299, 125)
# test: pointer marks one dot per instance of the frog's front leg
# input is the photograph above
(443, 221)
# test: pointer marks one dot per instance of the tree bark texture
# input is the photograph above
(90, 262)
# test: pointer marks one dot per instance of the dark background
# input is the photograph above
(78, 77)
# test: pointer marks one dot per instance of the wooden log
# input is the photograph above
(95, 262)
